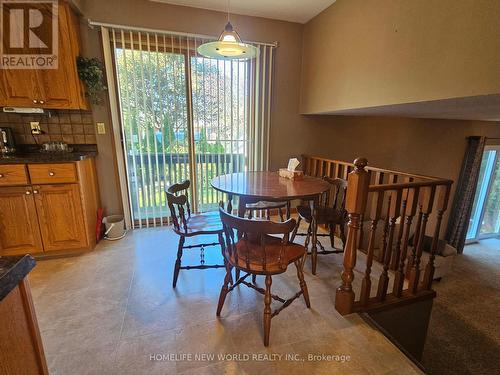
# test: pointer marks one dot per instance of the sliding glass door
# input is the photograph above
(183, 117)
(220, 94)
(485, 217)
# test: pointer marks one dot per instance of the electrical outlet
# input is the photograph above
(35, 128)
(101, 128)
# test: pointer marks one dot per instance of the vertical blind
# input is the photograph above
(184, 116)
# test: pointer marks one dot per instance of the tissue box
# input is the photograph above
(292, 175)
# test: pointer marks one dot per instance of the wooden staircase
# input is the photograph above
(398, 206)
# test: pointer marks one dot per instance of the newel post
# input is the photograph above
(358, 182)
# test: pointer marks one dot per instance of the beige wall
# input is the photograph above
(289, 135)
(422, 146)
(364, 53)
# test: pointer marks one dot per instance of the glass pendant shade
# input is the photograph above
(228, 47)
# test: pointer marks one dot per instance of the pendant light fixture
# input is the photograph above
(229, 45)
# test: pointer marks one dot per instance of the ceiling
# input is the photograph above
(483, 107)
(299, 11)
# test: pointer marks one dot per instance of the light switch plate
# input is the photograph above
(101, 128)
(35, 128)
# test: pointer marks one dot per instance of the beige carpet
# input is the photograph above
(464, 331)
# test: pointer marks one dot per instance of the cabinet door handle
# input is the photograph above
(35, 191)
(35, 101)
(42, 102)
(1, 175)
(28, 192)
(52, 173)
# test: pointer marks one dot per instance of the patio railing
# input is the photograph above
(155, 172)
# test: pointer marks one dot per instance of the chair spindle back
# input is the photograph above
(177, 196)
(335, 196)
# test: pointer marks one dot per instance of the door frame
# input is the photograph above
(121, 160)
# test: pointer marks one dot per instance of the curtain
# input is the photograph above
(458, 222)
(261, 119)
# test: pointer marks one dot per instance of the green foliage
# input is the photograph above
(154, 101)
(492, 209)
(90, 71)
(205, 147)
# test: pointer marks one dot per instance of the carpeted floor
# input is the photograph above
(464, 331)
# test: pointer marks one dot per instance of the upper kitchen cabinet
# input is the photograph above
(58, 88)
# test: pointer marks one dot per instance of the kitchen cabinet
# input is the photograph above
(60, 216)
(19, 87)
(52, 173)
(54, 210)
(19, 230)
(58, 88)
(21, 347)
(13, 175)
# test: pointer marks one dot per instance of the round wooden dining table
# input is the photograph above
(252, 187)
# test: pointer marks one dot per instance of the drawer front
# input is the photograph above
(13, 174)
(52, 173)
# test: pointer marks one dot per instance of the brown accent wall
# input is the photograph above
(367, 53)
(422, 146)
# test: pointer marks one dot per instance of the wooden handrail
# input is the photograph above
(372, 169)
(408, 204)
(406, 185)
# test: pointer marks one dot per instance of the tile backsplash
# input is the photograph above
(72, 127)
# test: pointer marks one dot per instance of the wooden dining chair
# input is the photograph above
(187, 225)
(330, 212)
(266, 207)
(250, 248)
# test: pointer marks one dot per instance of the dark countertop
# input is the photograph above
(12, 270)
(32, 154)
(45, 157)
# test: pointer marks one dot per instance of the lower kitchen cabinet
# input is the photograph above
(46, 216)
(60, 216)
(19, 230)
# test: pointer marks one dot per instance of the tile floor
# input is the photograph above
(111, 310)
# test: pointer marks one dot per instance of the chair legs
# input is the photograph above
(268, 313)
(222, 247)
(177, 267)
(267, 310)
(331, 230)
(308, 238)
(225, 289)
(342, 234)
(302, 283)
(295, 230)
(180, 250)
(280, 213)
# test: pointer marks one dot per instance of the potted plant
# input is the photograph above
(90, 71)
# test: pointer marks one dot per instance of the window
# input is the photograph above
(485, 217)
